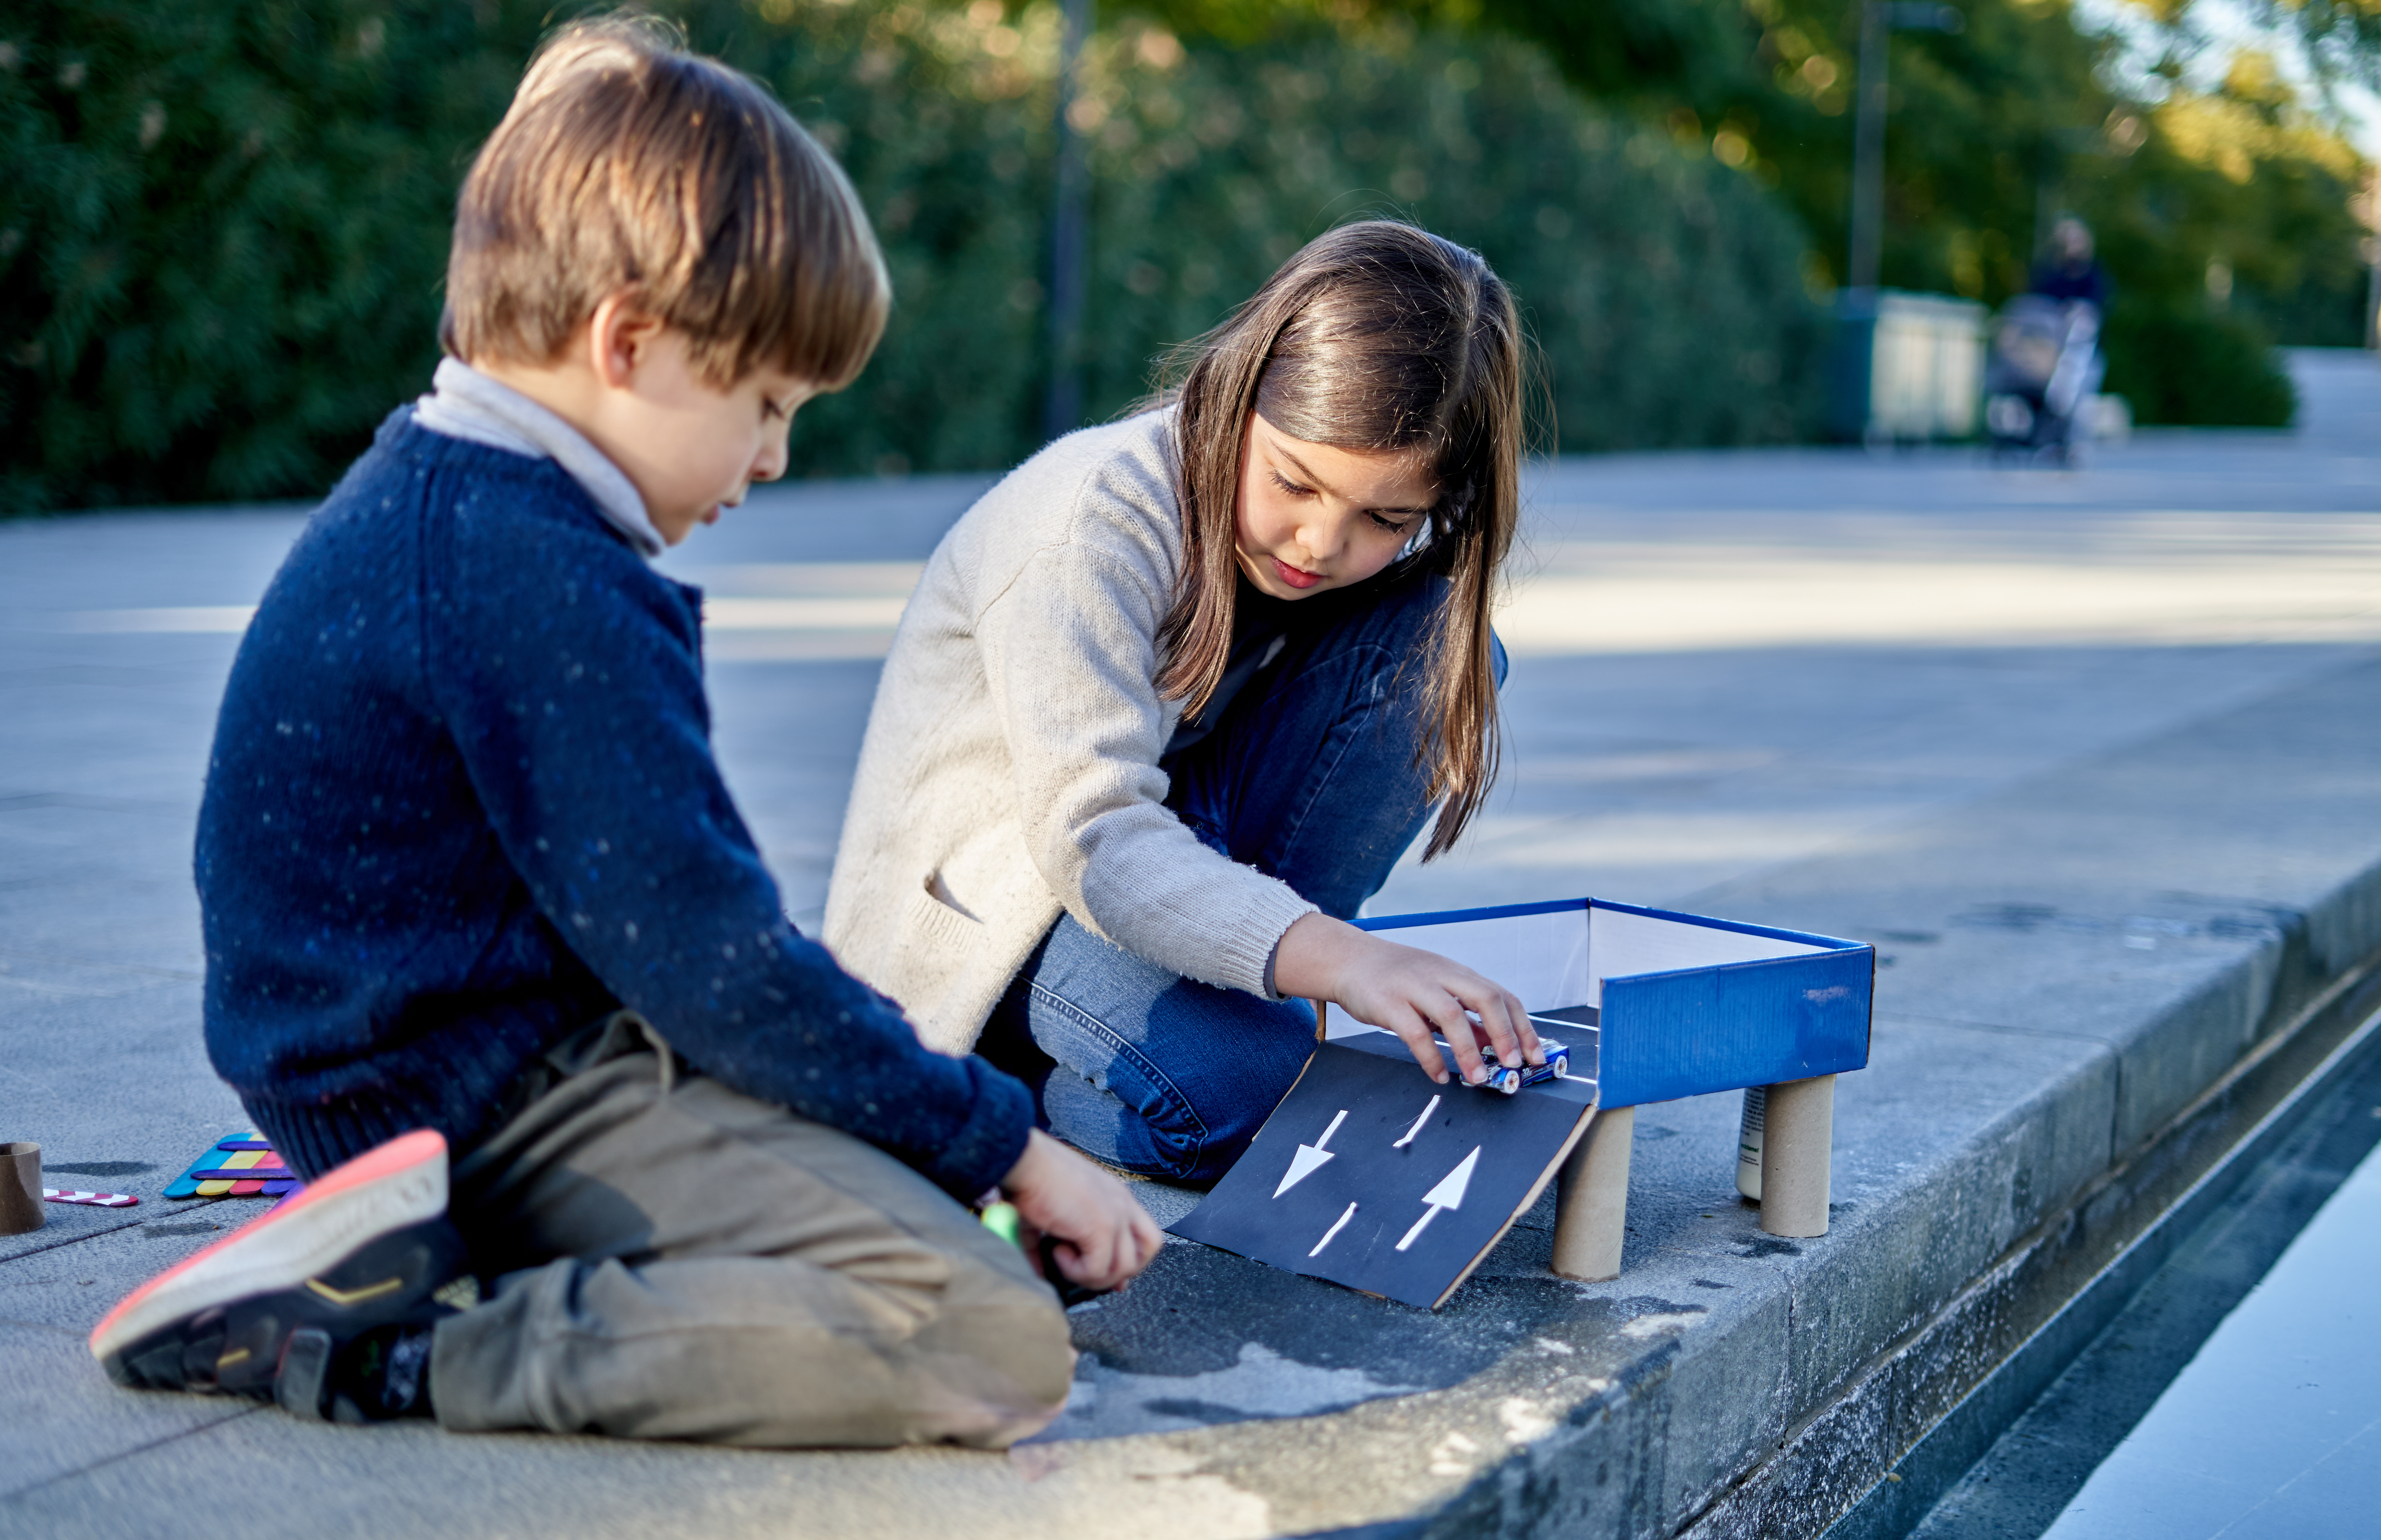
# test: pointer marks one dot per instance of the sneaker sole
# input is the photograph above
(400, 1184)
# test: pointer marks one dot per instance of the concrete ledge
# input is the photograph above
(2259, 1109)
(2098, 978)
(2085, 966)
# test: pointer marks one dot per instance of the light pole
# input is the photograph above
(2368, 209)
(1878, 18)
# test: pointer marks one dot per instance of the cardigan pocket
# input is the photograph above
(935, 922)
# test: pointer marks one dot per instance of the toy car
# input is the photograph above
(1511, 1078)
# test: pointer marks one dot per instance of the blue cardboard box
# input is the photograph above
(1682, 1004)
(1371, 1175)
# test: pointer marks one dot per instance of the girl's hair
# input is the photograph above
(1378, 336)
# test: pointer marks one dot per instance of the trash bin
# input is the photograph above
(1904, 368)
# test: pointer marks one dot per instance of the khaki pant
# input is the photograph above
(673, 1259)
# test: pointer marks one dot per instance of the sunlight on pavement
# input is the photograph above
(2158, 579)
(2148, 579)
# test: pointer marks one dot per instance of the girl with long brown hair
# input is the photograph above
(1172, 698)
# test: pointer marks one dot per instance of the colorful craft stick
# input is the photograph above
(91, 1200)
(258, 1173)
(220, 1187)
(248, 1151)
(225, 1185)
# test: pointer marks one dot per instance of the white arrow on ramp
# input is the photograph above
(1449, 1194)
(1309, 1159)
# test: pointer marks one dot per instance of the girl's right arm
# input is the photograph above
(1413, 993)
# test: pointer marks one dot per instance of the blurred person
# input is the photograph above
(475, 891)
(1171, 699)
(2069, 271)
(2046, 360)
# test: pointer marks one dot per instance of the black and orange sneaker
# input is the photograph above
(303, 1306)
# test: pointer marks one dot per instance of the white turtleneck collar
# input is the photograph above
(465, 403)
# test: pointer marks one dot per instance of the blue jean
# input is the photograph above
(1309, 777)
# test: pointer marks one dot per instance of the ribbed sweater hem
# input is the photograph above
(313, 1138)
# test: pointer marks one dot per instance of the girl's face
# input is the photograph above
(1310, 517)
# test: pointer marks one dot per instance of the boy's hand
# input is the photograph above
(1413, 993)
(1104, 1236)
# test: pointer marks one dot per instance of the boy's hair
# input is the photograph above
(1378, 336)
(626, 162)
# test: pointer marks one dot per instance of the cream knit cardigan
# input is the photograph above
(1009, 768)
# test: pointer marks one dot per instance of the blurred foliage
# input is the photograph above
(2216, 370)
(1650, 278)
(2339, 40)
(2223, 215)
(225, 225)
(2223, 212)
(222, 232)
(223, 228)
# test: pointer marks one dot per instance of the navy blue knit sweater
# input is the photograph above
(463, 802)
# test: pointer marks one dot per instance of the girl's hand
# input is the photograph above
(1411, 992)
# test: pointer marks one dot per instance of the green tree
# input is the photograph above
(1664, 290)
(2223, 214)
(222, 232)
(224, 245)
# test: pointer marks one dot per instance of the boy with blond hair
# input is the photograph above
(475, 893)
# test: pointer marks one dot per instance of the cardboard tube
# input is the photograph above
(1592, 1198)
(21, 1188)
(1797, 1142)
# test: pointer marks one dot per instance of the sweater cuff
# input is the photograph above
(1248, 952)
(985, 1148)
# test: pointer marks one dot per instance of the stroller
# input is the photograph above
(2045, 363)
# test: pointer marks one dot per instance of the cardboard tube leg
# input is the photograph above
(21, 1188)
(1797, 1138)
(1592, 1198)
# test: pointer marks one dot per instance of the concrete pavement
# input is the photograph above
(2090, 755)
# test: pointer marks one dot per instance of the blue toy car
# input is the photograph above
(1511, 1078)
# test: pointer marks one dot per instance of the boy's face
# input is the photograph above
(1311, 517)
(690, 447)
